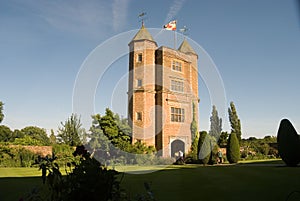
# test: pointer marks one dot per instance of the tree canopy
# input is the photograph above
(115, 129)
(6, 135)
(71, 131)
(36, 133)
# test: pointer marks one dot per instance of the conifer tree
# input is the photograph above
(195, 136)
(215, 124)
(1, 112)
(235, 121)
(52, 137)
(204, 147)
(233, 149)
(70, 131)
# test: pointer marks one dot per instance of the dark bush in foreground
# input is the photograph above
(288, 143)
(86, 179)
(233, 149)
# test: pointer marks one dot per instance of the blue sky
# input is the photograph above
(254, 44)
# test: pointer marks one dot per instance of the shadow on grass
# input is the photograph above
(194, 182)
(14, 188)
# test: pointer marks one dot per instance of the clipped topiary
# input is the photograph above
(204, 148)
(233, 149)
(288, 143)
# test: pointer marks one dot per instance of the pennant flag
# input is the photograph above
(171, 26)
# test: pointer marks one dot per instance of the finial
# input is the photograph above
(184, 31)
(142, 17)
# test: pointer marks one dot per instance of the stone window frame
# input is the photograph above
(139, 116)
(139, 57)
(176, 65)
(177, 114)
(139, 82)
(177, 85)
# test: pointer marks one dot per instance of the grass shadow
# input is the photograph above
(14, 188)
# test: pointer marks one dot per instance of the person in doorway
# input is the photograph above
(220, 156)
(180, 155)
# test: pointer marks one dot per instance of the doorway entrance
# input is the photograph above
(176, 146)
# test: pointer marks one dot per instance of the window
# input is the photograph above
(177, 114)
(140, 57)
(139, 116)
(139, 83)
(176, 86)
(176, 65)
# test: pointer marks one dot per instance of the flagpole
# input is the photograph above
(174, 39)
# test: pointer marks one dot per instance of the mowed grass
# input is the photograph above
(258, 181)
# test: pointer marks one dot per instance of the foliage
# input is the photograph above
(195, 136)
(27, 140)
(16, 157)
(1, 112)
(222, 141)
(110, 143)
(52, 138)
(141, 148)
(215, 124)
(254, 148)
(288, 143)
(233, 149)
(234, 121)
(204, 147)
(64, 154)
(6, 135)
(71, 131)
(36, 133)
(18, 134)
(214, 151)
(97, 138)
(87, 180)
(117, 131)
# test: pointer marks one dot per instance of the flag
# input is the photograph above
(171, 26)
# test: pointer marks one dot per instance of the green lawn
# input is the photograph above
(264, 181)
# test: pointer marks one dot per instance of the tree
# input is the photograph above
(52, 137)
(233, 149)
(204, 147)
(115, 130)
(36, 133)
(222, 141)
(1, 112)
(288, 143)
(71, 131)
(235, 121)
(18, 134)
(97, 138)
(215, 124)
(6, 135)
(195, 136)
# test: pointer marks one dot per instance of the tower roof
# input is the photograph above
(143, 34)
(185, 47)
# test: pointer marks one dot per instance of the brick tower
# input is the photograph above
(162, 89)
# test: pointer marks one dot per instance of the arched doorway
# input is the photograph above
(176, 146)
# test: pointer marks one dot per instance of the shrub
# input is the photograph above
(233, 149)
(214, 152)
(204, 148)
(16, 157)
(288, 143)
(64, 153)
